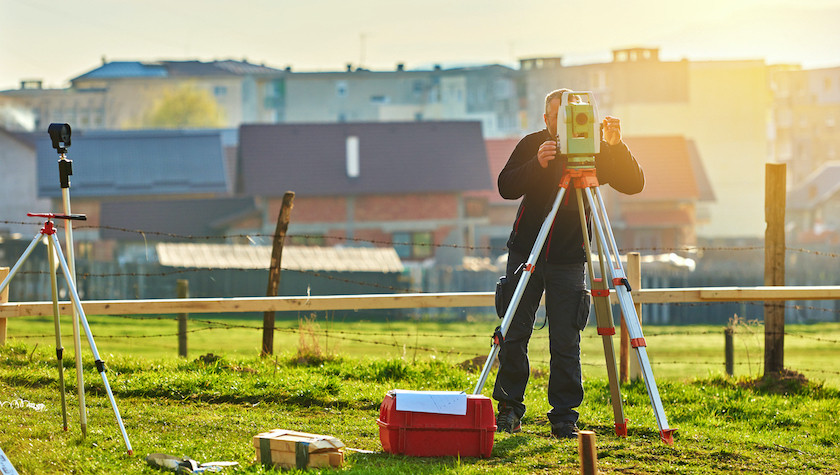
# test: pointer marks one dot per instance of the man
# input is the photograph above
(534, 171)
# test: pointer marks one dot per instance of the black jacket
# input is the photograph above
(523, 176)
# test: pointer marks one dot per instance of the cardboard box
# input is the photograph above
(291, 449)
(424, 434)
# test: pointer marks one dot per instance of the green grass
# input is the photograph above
(209, 409)
(679, 352)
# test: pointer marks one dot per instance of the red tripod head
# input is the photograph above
(48, 226)
(80, 217)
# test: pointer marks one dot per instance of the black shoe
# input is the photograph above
(506, 420)
(564, 430)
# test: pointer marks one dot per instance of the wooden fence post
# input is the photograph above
(774, 266)
(588, 452)
(729, 349)
(4, 297)
(182, 290)
(629, 367)
(274, 269)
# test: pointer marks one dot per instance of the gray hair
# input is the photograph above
(555, 94)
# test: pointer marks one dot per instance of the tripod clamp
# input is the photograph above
(65, 169)
(49, 227)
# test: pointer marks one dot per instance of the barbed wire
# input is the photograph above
(414, 347)
(329, 237)
(331, 333)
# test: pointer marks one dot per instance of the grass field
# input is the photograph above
(210, 409)
(677, 352)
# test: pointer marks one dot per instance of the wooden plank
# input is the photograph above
(256, 304)
(386, 301)
(724, 294)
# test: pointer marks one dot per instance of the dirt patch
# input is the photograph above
(477, 363)
(786, 381)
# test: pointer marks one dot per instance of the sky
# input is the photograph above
(57, 41)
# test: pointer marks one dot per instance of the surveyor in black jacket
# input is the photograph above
(533, 173)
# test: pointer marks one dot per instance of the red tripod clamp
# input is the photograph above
(79, 217)
(49, 227)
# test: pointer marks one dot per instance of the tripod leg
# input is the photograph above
(527, 271)
(20, 261)
(59, 349)
(100, 365)
(77, 340)
(622, 288)
(604, 317)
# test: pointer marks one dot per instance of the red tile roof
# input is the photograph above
(659, 219)
(498, 152)
(672, 168)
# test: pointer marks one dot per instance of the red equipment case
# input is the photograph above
(422, 434)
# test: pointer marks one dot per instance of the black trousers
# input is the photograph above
(567, 311)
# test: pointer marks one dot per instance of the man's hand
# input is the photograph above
(547, 152)
(612, 130)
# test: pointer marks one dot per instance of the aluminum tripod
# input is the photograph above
(577, 131)
(54, 249)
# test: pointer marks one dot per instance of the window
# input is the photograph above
(413, 245)
(341, 89)
(220, 91)
(352, 156)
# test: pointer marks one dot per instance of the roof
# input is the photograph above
(137, 163)
(24, 138)
(498, 152)
(139, 69)
(817, 188)
(393, 158)
(673, 170)
(242, 256)
(125, 69)
(660, 219)
(164, 220)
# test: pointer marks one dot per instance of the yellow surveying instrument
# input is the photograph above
(579, 138)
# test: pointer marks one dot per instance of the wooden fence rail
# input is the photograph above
(386, 301)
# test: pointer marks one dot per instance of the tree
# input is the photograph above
(184, 108)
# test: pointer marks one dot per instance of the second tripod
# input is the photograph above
(54, 250)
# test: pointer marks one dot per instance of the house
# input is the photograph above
(398, 184)
(119, 94)
(805, 119)
(111, 167)
(724, 107)
(17, 183)
(814, 206)
(486, 93)
(663, 216)
(491, 238)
